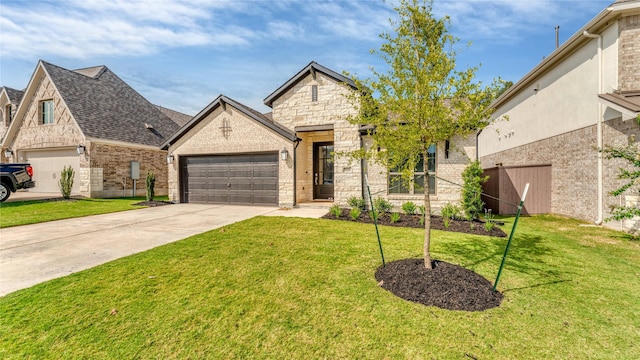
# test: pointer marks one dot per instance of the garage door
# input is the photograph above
(231, 179)
(47, 165)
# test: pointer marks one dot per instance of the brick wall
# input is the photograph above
(573, 160)
(629, 53)
(109, 171)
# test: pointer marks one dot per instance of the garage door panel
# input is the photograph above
(47, 166)
(232, 179)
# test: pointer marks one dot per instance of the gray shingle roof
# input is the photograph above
(15, 96)
(105, 107)
(177, 117)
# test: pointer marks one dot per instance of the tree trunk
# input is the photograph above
(427, 220)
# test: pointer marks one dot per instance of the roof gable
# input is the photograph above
(223, 101)
(106, 108)
(310, 69)
(14, 96)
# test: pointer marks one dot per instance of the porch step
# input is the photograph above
(315, 205)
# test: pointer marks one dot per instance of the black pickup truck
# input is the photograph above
(14, 177)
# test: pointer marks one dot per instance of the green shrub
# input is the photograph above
(422, 211)
(409, 208)
(66, 181)
(356, 202)
(472, 203)
(395, 217)
(355, 213)
(382, 205)
(488, 220)
(373, 215)
(151, 185)
(335, 210)
(450, 211)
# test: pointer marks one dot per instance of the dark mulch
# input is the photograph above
(413, 221)
(446, 286)
(153, 203)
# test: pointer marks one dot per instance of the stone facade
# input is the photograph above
(629, 53)
(297, 108)
(245, 136)
(448, 175)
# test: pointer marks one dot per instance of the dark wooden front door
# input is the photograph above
(323, 171)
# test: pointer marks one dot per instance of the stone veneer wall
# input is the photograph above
(448, 170)
(629, 53)
(33, 135)
(246, 136)
(573, 159)
(296, 108)
(105, 170)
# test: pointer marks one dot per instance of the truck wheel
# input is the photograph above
(4, 192)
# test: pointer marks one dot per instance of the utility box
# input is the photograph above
(135, 170)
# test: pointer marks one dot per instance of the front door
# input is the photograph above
(323, 171)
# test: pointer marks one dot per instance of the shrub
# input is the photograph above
(395, 217)
(488, 220)
(335, 210)
(382, 205)
(472, 203)
(356, 202)
(355, 213)
(151, 185)
(66, 181)
(373, 215)
(409, 208)
(449, 211)
(422, 210)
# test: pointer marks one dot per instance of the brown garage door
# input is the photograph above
(250, 179)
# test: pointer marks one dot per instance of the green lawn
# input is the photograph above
(37, 211)
(287, 288)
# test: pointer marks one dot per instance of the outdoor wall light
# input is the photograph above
(169, 158)
(80, 149)
(284, 154)
(8, 153)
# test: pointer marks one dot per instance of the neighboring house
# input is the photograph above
(585, 95)
(229, 153)
(9, 100)
(93, 121)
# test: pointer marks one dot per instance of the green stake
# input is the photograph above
(513, 230)
(375, 220)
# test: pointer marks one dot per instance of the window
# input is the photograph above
(399, 186)
(46, 111)
(314, 92)
(8, 116)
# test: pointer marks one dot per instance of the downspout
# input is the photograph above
(599, 126)
(296, 142)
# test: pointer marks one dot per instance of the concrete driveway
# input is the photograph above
(32, 254)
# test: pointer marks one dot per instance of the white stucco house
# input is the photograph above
(583, 96)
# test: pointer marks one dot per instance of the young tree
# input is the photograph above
(422, 99)
(472, 203)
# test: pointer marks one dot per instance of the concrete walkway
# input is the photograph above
(32, 254)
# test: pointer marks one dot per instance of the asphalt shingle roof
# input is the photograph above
(15, 96)
(105, 107)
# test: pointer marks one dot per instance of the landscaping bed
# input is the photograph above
(413, 221)
(446, 286)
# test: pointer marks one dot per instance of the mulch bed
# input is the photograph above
(446, 286)
(413, 221)
(153, 203)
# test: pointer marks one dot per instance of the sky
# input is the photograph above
(183, 54)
